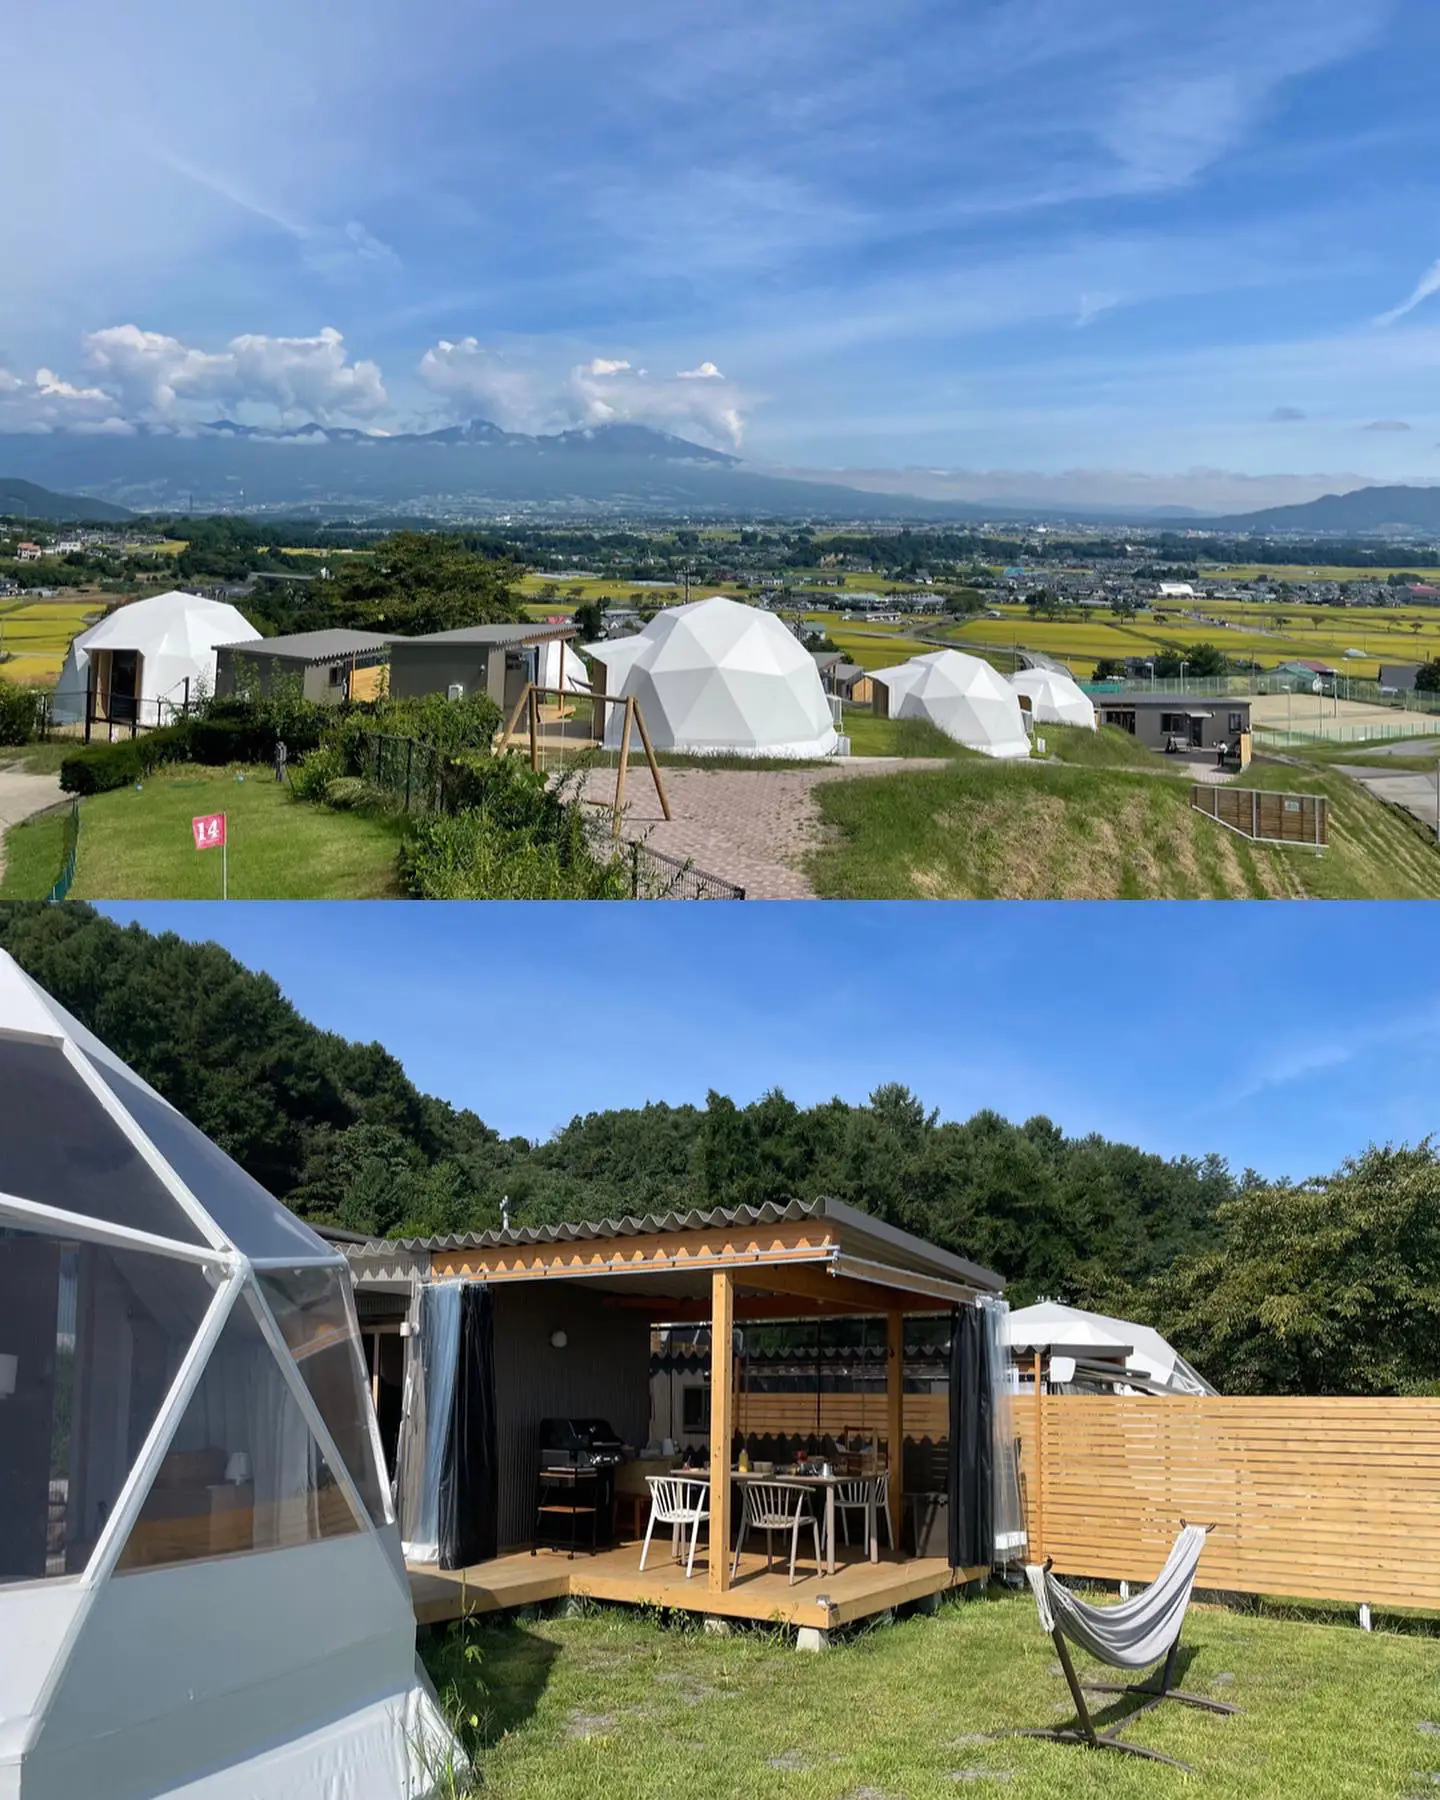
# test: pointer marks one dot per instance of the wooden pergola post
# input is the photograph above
(722, 1392)
(1037, 1465)
(895, 1418)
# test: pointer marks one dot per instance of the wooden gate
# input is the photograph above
(1265, 817)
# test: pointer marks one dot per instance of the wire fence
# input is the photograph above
(65, 880)
(1272, 737)
(406, 768)
(655, 876)
(1334, 687)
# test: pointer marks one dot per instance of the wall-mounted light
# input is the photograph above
(558, 1340)
(237, 1469)
(9, 1370)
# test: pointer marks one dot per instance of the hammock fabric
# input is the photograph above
(1136, 1633)
(1133, 1635)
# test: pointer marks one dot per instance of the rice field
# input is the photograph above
(1270, 634)
(35, 634)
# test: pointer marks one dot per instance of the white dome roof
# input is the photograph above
(963, 697)
(1055, 699)
(719, 677)
(175, 635)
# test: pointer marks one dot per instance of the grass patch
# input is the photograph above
(870, 736)
(34, 851)
(136, 844)
(1041, 831)
(613, 1703)
(1107, 747)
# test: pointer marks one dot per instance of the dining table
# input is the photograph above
(817, 1482)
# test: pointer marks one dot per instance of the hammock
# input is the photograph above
(1136, 1633)
(1132, 1635)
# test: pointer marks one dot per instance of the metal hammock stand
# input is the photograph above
(1151, 1693)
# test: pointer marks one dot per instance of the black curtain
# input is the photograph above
(972, 1522)
(469, 1477)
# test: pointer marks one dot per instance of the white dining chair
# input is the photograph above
(772, 1506)
(682, 1504)
(856, 1496)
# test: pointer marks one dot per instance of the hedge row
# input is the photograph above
(219, 738)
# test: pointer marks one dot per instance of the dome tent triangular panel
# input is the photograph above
(175, 637)
(1055, 698)
(719, 677)
(960, 695)
(172, 1455)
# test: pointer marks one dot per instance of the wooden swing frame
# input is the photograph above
(529, 703)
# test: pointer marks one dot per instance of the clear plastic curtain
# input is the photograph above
(425, 1427)
(1008, 1513)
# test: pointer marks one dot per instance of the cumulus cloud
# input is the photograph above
(471, 378)
(1428, 284)
(1386, 425)
(137, 376)
(1286, 415)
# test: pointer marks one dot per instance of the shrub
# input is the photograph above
(469, 856)
(19, 713)
(311, 779)
(100, 768)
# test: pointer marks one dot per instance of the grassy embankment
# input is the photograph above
(611, 1702)
(1100, 824)
(135, 844)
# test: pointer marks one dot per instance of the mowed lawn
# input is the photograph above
(1045, 831)
(137, 844)
(611, 1703)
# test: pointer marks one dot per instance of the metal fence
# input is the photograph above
(1219, 687)
(655, 876)
(1280, 737)
(64, 881)
(405, 767)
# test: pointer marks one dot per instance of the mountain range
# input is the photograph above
(24, 500)
(460, 471)
(478, 470)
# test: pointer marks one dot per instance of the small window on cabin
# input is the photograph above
(1237, 721)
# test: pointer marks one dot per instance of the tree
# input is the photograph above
(589, 617)
(1427, 678)
(1202, 661)
(1330, 1286)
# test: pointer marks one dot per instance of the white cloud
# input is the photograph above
(469, 377)
(1386, 425)
(1428, 284)
(148, 377)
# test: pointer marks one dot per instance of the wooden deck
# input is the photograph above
(857, 1590)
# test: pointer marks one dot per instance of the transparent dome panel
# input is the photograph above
(90, 1342)
(244, 1472)
(249, 1215)
(312, 1308)
(59, 1146)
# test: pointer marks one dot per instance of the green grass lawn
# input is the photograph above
(1105, 748)
(988, 830)
(612, 1703)
(136, 845)
(34, 852)
(870, 736)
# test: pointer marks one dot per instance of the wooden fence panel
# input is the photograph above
(1330, 1499)
(1270, 818)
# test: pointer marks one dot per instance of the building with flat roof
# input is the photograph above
(496, 660)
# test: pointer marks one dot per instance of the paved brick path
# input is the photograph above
(751, 826)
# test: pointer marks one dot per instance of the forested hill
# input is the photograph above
(339, 1131)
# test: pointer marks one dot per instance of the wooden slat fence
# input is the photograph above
(1328, 1499)
(1267, 818)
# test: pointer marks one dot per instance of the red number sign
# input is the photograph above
(209, 831)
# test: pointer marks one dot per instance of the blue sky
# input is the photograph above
(1284, 1037)
(1044, 236)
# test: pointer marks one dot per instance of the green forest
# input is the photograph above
(1325, 1286)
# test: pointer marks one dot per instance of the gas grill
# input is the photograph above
(576, 1483)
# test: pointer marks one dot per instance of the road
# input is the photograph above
(1407, 788)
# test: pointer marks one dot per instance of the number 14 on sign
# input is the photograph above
(209, 834)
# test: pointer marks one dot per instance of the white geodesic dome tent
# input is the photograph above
(719, 677)
(172, 637)
(556, 657)
(961, 696)
(1055, 699)
(201, 1587)
(1156, 1364)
